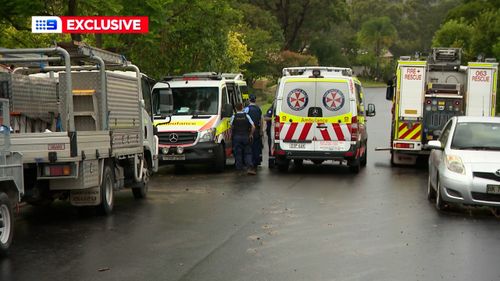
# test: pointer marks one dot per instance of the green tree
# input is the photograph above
(300, 20)
(457, 34)
(376, 35)
(264, 38)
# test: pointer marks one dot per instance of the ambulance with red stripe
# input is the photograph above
(196, 129)
(427, 93)
(319, 116)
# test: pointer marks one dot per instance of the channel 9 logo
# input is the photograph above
(46, 25)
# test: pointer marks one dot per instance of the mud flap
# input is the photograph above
(85, 197)
(404, 159)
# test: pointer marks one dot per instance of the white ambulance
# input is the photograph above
(319, 116)
(196, 129)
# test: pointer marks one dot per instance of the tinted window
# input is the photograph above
(476, 136)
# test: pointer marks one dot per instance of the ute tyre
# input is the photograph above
(431, 193)
(140, 191)
(355, 166)
(440, 203)
(6, 223)
(107, 192)
(220, 159)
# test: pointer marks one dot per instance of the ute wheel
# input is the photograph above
(355, 166)
(440, 203)
(220, 159)
(141, 188)
(6, 223)
(107, 192)
(431, 193)
(283, 165)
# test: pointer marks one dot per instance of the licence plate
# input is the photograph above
(493, 189)
(174, 157)
(85, 197)
(298, 145)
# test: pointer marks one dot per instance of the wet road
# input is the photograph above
(314, 223)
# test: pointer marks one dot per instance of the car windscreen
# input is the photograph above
(476, 136)
(196, 101)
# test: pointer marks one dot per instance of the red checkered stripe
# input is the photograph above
(305, 131)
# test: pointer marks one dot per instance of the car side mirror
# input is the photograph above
(227, 110)
(389, 92)
(434, 144)
(370, 112)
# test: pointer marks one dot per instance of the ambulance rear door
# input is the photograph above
(335, 105)
(297, 103)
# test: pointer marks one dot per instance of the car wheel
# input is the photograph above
(431, 193)
(6, 223)
(107, 192)
(141, 188)
(440, 203)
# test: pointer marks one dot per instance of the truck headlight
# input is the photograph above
(454, 163)
(207, 135)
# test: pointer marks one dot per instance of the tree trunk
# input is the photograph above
(73, 11)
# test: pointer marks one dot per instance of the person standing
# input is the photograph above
(242, 132)
(269, 119)
(255, 113)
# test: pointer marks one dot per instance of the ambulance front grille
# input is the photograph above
(174, 138)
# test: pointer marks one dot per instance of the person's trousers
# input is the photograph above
(256, 150)
(242, 152)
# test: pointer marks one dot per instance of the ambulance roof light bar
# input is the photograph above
(195, 76)
(311, 70)
(232, 76)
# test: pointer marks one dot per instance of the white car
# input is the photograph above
(464, 165)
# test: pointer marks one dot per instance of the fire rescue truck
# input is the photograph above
(426, 94)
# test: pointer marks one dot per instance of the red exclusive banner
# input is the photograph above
(105, 24)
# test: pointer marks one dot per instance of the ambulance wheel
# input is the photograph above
(220, 159)
(355, 166)
(141, 188)
(364, 158)
(107, 192)
(6, 223)
(283, 165)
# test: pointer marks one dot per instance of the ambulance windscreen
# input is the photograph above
(196, 101)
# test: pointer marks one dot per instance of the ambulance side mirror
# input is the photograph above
(370, 112)
(227, 110)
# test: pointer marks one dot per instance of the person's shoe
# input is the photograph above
(252, 172)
